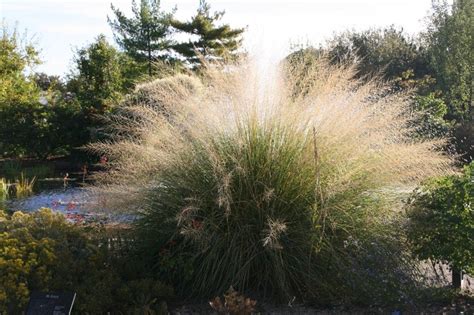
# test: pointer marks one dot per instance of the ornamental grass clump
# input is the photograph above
(287, 186)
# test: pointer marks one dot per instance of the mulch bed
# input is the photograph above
(463, 305)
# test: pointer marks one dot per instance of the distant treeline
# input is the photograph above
(43, 115)
(437, 64)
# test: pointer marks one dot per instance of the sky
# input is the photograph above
(59, 27)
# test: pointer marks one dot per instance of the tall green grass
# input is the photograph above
(24, 186)
(286, 187)
(3, 188)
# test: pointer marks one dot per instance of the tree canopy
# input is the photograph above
(145, 36)
(97, 81)
(17, 56)
(208, 40)
(450, 44)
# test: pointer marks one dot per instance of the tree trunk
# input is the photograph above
(149, 63)
(148, 45)
(456, 277)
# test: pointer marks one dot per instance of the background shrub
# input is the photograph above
(442, 220)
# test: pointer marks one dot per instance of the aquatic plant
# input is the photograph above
(286, 186)
(24, 186)
(3, 188)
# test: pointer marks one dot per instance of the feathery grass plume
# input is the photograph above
(279, 186)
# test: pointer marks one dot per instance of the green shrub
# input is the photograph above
(22, 259)
(13, 170)
(430, 122)
(442, 220)
(270, 189)
(42, 251)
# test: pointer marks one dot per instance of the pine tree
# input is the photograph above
(207, 40)
(145, 36)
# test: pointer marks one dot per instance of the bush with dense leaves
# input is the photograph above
(442, 220)
(42, 251)
(37, 118)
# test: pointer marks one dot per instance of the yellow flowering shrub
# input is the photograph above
(25, 260)
(42, 251)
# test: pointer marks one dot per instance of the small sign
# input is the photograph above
(52, 303)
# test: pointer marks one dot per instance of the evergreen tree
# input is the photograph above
(145, 36)
(207, 40)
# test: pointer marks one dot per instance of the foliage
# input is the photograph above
(3, 188)
(98, 81)
(101, 78)
(24, 186)
(42, 251)
(465, 141)
(16, 56)
(208, 41)
(68, 124)
(267, 191)
(36, 123)
(449, 39)
(19, 106)
(442, 220)
(430, 122)
(25, 262)
(385, 51)
(145, 36)
(414, 64)
(146, 296)
(47, 82)
(37, 130)
(22, 122)
(234, 304)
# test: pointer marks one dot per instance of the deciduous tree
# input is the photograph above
(97, 80)
(450, 41)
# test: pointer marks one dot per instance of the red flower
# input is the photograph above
(197, 224)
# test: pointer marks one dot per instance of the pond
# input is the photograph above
(75, 203)
(63, 200)
(65, 193)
